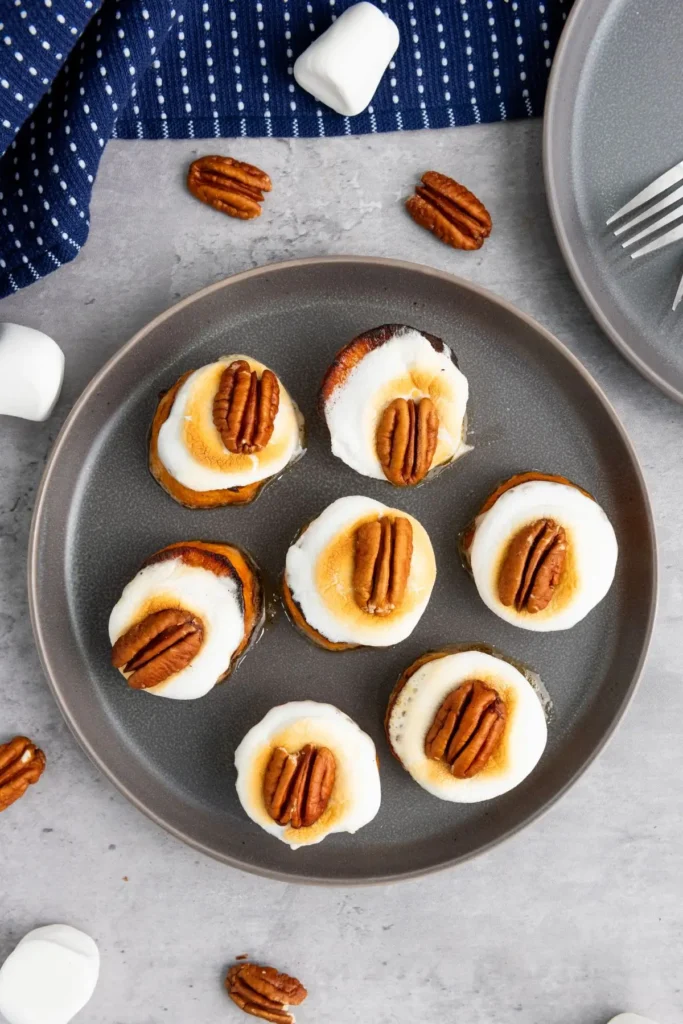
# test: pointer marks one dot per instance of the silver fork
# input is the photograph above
(673, 199)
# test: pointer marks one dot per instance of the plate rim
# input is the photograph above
(41, 499)
(582, 9)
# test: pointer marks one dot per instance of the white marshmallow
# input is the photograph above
(343, 67)
(216, 600)
(31, 372)
(630, 1018)
(592, 543)
(197, 458)
(406, 366)
(321, 585)
(49, 977)
(417, 704)
(357, 792)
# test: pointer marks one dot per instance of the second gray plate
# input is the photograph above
(613, 125)
(99, 514)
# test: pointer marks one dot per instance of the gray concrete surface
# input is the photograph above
(577, 918)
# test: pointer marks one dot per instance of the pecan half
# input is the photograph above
(245, 407)
(467, 728)
(229, 185)
(21, 764)
(533, 566)
(384, 551)
(449, 211)
(297, 787)
(157, 647)
(406, 438)
(264, 992)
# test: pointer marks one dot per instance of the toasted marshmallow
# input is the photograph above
(192, 450)
(416, 704)
(356, 794)
(591, 547)
(319, 573)
(216, 600)
(378, 367)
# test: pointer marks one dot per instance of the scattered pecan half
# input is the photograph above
(229, 185)
(297, 787)
(21, 764)
(533, 566)
(467, 728)
(264, 992)
(384, 551)
(449, 211)
(245, 407)
(406, 438)
(157, 647)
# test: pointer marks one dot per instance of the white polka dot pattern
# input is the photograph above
(75, 73)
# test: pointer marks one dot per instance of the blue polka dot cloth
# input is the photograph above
(76, 73)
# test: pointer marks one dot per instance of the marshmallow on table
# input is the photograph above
(344, 65)
(49, 977)
(31, 372)
(630, 1018)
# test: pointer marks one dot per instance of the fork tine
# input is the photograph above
(674, 235)
(668, 218)
(660, 184)
(679, 295)
(651, 211)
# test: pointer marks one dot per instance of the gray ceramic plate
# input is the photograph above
(612, 125)
(99, 514)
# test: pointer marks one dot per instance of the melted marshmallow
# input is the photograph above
(356, 794)
(216, 600)
(319, 573)
(591, 551)
(415, 708)
(192, 450)
(49, 977)
(406, 366)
